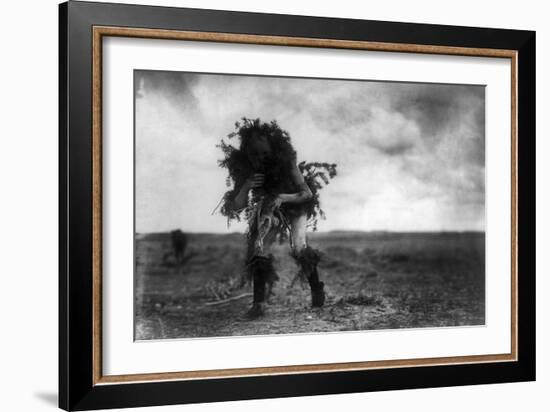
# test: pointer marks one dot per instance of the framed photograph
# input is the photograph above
(256, 205)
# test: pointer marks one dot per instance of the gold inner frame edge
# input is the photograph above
(98, 32)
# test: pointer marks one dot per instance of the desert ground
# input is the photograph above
(373, 280)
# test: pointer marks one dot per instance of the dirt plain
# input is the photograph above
(373, 280)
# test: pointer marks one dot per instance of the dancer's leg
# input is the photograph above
(307, 258)
(262, 272)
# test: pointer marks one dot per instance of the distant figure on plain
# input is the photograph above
(179, 245)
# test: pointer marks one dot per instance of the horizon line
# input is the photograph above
(324, 231)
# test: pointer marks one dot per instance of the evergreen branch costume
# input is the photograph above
(263, 217)
(277, 173)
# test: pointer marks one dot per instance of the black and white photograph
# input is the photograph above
(280, 205)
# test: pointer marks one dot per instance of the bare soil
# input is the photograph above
(373, 281)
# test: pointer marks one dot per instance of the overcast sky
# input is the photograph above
(411, 157)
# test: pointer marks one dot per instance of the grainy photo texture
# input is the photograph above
(273, 205)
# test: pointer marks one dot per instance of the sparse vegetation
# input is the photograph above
(373, 281)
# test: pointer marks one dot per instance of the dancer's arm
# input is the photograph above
(241, 199)
(303, 193)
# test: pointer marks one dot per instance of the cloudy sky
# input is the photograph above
(411, 157)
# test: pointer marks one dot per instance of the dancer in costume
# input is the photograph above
(279, 198)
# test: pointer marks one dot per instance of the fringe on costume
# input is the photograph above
(262, 266)
(307, 259)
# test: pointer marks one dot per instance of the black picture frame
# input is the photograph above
(77, 388)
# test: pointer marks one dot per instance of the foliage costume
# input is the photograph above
(266, 222)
